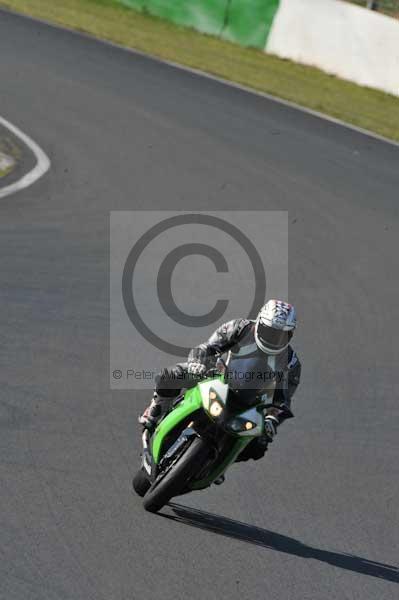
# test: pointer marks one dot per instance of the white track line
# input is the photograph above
(41, 167)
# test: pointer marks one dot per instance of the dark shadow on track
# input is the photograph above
(280, 543)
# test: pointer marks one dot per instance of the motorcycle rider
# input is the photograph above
(265, 341)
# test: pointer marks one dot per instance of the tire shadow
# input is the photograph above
(279, 543)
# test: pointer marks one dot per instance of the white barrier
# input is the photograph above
(340, 38)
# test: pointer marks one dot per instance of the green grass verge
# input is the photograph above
(388, 7)
(7, 171)
(307, 86)
(8, 150)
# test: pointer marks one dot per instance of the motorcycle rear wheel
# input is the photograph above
(174, 482)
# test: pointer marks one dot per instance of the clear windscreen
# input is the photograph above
(252, 375)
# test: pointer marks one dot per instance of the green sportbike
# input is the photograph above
(204, 433)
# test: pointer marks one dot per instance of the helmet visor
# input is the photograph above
(273, 339)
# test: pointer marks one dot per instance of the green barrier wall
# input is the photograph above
(245, 22)
(205, 15)
(249, 21)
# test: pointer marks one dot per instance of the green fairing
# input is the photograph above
(245, 22)
(192, 402)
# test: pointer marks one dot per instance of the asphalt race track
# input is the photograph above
(318, 518)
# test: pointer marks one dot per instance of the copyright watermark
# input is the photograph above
(176, 276)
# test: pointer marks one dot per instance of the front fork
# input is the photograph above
(146, 459)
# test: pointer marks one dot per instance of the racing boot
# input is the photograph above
(220, 480)
(153, 414)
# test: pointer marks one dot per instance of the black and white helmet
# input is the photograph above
(274, 326)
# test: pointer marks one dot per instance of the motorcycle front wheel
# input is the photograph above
(173, 483)
(141, 484)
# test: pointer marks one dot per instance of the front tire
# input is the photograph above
(175, 481)
(141, 483)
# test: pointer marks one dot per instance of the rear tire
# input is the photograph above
(141, 483)
(175, 481)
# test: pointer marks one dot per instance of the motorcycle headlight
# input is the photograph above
(215, 407)
(237, 425)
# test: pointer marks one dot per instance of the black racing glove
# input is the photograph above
(196, 368)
